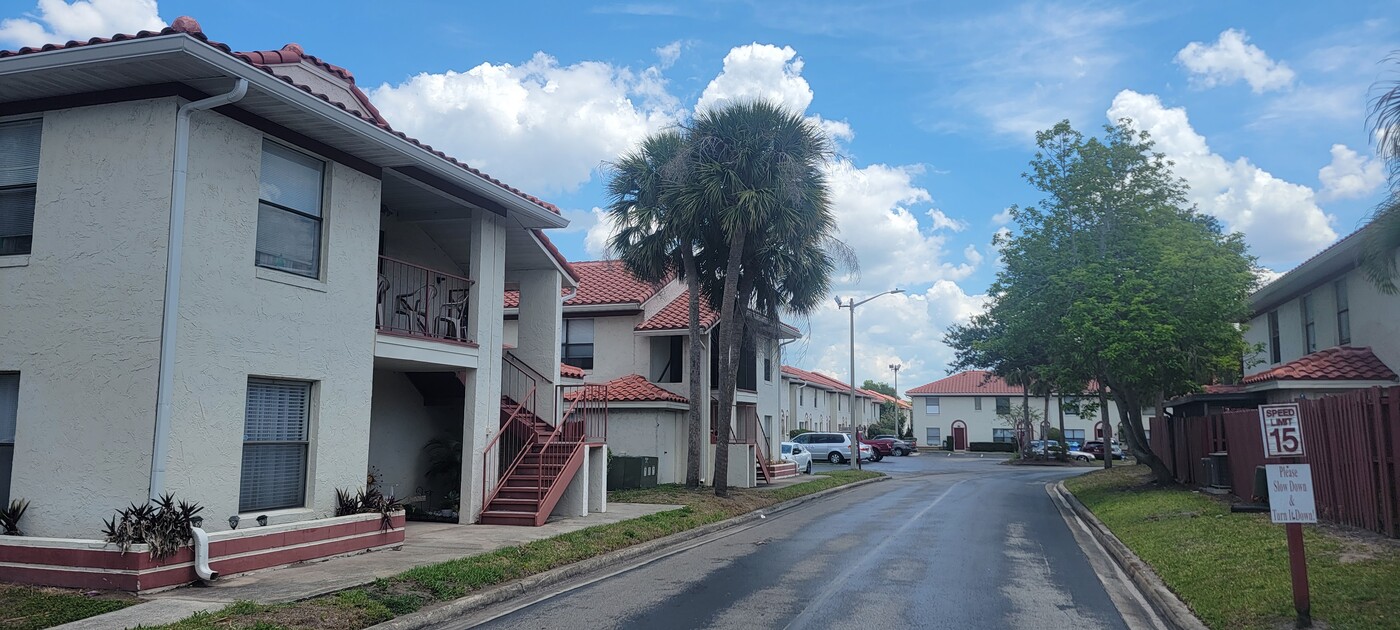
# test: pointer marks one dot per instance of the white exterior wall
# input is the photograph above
(1373, 316)
(82, 317)
(238, 320)
(658, 433)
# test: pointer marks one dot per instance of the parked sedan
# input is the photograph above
(878, 449)
(1080, 455)
(898, 447)
(796, 454)
(1095, 447)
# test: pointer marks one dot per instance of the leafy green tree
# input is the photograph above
(889, 412)
(1378, 258)
(1112, 278)
(753, 177)
(653, 242)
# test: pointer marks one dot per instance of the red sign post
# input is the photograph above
(1290, 494)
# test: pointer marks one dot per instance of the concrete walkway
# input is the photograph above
(424, 543)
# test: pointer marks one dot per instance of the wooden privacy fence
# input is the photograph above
(1352, 441)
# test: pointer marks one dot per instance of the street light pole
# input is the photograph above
(851, 303)
(898, 413)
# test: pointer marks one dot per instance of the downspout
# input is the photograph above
(201, 555)
(166, 372)
(569, 296)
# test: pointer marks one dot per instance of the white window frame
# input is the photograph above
(932, 406)
(319, 218)
(20, 186)
(565, 344)
(246, 505)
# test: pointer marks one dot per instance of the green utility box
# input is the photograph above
(631, 472)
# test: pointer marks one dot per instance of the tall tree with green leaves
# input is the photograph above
(1112, 277)
(1379, 260)
(753, 175)
(654, 243)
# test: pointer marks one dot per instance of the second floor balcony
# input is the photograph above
(418, 308)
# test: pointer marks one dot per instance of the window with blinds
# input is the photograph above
(577, 343)
(289, 211)
(9, 419)
(275, 440)
(19, 173)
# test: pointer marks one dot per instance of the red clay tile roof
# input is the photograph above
(636, 388)
(968, 382)
(600, 282)
(676, 315)
(569, 371)
(558, 256)
(293, 54)
(817, 379)
(1342, 363)
(188, 26)
(1223, 388)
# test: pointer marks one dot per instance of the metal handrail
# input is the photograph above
(530, 438)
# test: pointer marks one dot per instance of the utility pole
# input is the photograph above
(851, 303)
(898, 414)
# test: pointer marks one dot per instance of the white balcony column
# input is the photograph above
(481, 417)
(541, 313)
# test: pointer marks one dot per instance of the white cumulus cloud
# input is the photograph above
(540, 125)
(1232, 59)
(942, 221)
(595, 241)
(1280, 219)
(56, 21)
(759, 71)
(1350, 175)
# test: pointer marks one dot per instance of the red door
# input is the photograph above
(959, 436)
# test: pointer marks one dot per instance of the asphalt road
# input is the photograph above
(949, 542)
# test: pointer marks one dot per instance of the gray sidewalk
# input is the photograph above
(424, 543)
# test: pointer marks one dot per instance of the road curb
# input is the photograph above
(1163, 600)
(527, 585)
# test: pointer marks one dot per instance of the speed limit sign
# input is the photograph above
(1283, 432)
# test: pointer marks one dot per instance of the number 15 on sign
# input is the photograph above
(1283, 430)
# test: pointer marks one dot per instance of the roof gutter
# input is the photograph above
(173, 254)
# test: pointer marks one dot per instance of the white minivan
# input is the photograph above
(832, 447)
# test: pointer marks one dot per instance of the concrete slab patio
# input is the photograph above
(424, 543)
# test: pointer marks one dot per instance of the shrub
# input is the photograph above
(367, 502)
(992, 447)
(164, 525)
(9, 517)
(796, 432)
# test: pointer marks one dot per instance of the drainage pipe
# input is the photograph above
(166, 372)
(201, 556)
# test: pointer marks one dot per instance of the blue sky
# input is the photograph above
(933, 106)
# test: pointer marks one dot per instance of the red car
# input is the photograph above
(878, 449)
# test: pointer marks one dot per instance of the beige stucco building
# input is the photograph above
(970, 407)
(255, 301)
(633, 336)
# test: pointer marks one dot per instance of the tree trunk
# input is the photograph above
(1028, 431)
(694, 446)
(1130, 409)
(1107, 427)
(731, 330)
(1060, 404)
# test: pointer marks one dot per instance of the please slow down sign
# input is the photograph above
(1291, 493)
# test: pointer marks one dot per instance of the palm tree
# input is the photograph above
(1378, 254)
(653, 244)
(753, 177)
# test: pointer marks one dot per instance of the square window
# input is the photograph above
(931, 405)
(276, 437)
(1003, 405)
(577, 346)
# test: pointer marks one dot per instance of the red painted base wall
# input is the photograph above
(92, 564)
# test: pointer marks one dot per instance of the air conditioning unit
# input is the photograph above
(1216, 471)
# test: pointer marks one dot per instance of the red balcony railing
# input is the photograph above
(416, 301)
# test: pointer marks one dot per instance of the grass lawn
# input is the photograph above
(1232, 569)
(427, 585)
(25, 607)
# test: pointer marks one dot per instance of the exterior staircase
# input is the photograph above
(532, 485)
(530, 462)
